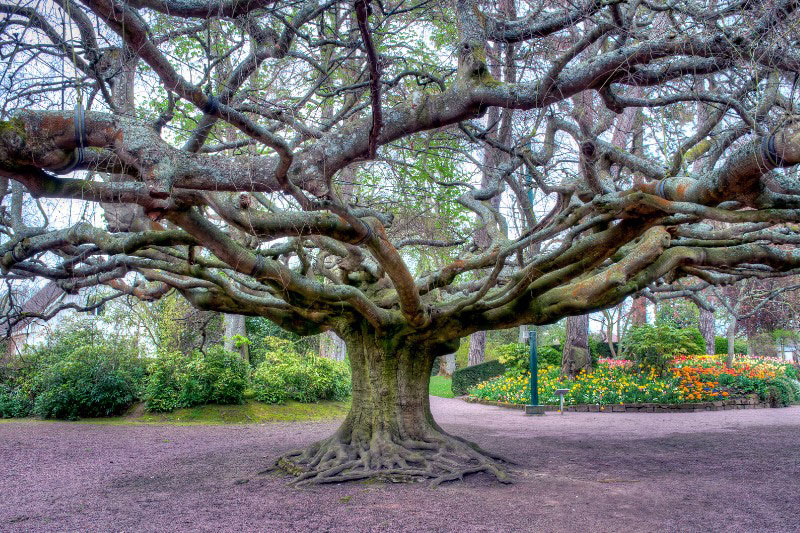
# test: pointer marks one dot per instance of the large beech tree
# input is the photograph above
(318, 163)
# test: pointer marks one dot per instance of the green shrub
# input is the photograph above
(549, 356)
(14, 403)
(779, 392)
(301, 378)
(88, 381)
(513, 356)
(516, 356)
(468, 377)
(721, 345)
(177, 380)
(795, 384)
(654, 347)
(598, 348)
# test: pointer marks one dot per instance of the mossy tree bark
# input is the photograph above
(575, 356)
(390, 432)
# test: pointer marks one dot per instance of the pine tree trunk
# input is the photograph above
(575, 356)
(731, 339)
(447, 364)
(332, 346)
(707, 329)
(390, 432)
(639, 312)
(477, 348)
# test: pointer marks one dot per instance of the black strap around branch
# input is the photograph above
(81, 141)
(211, 106)
(769, 153)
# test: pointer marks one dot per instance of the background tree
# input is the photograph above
(351, 193)
(575, 356)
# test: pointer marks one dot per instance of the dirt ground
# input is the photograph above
(729, 470)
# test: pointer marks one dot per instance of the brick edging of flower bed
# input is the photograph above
(748, 402)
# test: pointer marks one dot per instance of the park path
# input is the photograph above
(725, 471)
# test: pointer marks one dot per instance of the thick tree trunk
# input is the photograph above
(447, 364)
(234, 325)
(707, 329)
(332, 346)
(477, 348)
(639, 312)
(390, 432)
(575, 356)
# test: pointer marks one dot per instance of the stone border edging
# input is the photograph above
(748, 402)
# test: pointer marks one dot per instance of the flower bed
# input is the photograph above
(690, 379)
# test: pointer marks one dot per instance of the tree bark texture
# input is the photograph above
(447, 364)
(234, 325)
(477, 348)
(575, 356)
(390, 433)
(639, 311)
(332, 346)
(707, 329)
(731, 339)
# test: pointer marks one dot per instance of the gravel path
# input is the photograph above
(728, 470)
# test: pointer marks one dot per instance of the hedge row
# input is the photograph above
(468, 377)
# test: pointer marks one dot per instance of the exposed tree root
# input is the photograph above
(439, 457)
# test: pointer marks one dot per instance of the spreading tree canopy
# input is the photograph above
(401, 172)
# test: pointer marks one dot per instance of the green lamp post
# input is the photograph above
(534, 408)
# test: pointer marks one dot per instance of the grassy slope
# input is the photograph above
(440, 386)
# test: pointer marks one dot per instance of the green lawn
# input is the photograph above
(250, 412)
(440, 386)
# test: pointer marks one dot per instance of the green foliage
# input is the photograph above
(551, 356)
(183, 328)
(779, 392)
(87, 381)
(265, 336)
(178, 380)
(303, 378)
(654, 347)
(677, 314)
(721, 345)
(598, 348)
(470, 376)
(14, 403)
(516, 356)
(513, 356)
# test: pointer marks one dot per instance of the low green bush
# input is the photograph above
(304, 378)
(551, 356)
(88, 381)
(516, 356)
(721, 345)
(468, 377)
(779, 392)
(177, 380)
(14, 403)
(654, 347)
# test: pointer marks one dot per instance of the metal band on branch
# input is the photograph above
(81, 141)
(211, 106)
(660, 189)
(366, 237)
(769, 153)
